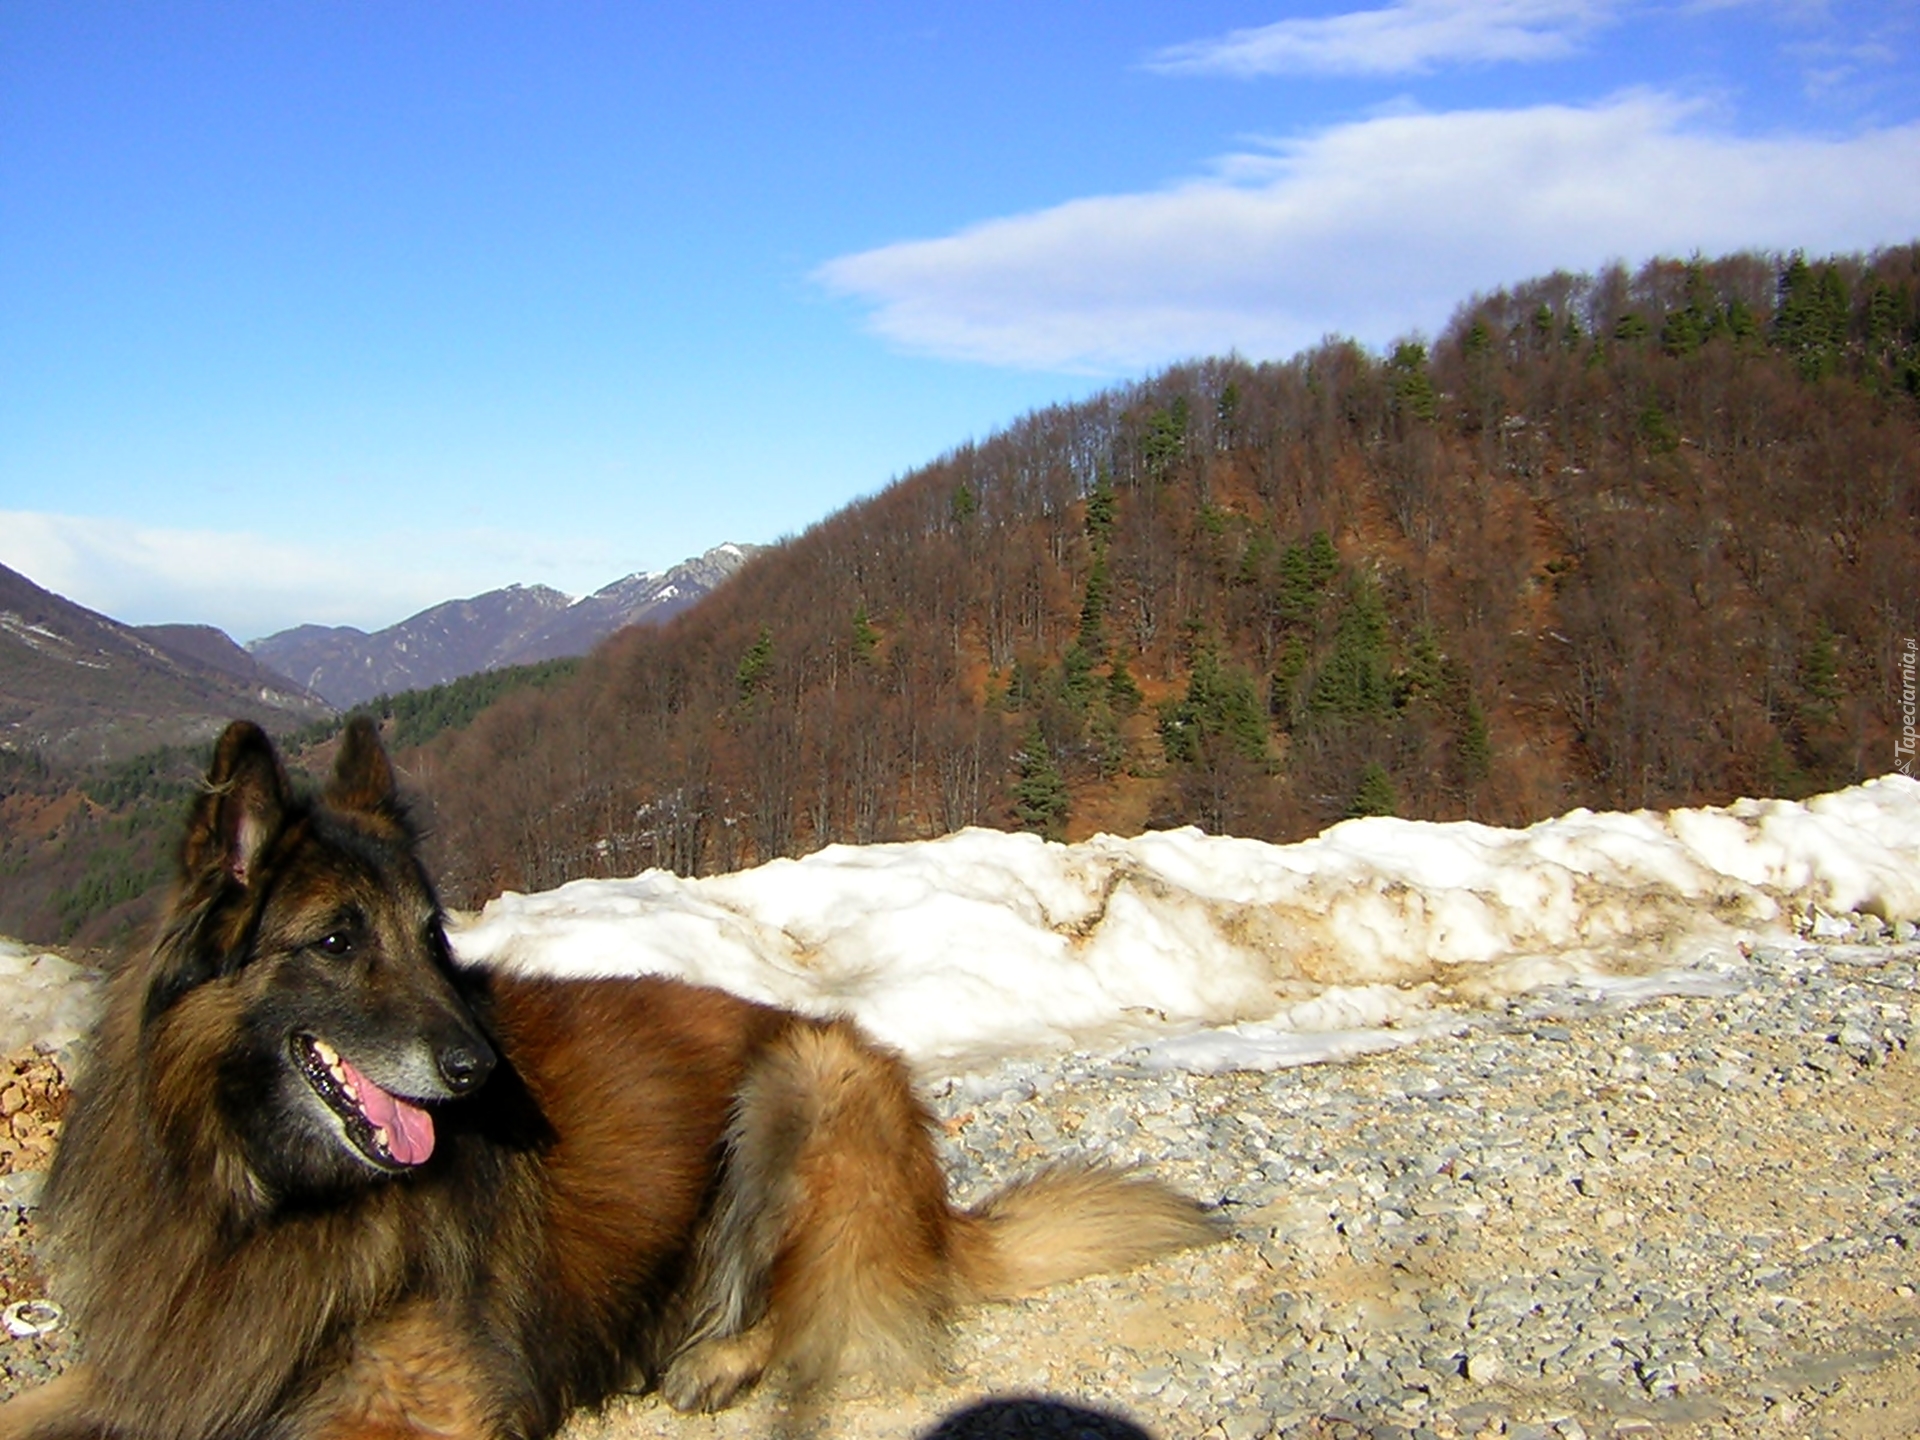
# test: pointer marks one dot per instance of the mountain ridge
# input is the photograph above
(76, 685)
(513, 625)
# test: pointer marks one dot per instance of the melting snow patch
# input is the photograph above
(45, 1008)
(983, 944)
(1275, 1046)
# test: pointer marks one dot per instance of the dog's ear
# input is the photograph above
(362, 776)
(244, 807)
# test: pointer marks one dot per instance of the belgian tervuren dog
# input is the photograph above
(319, 1181)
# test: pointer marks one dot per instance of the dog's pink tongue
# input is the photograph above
(409, 1128)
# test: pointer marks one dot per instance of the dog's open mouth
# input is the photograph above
(386, 1129)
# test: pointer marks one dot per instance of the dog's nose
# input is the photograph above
(464, 1064)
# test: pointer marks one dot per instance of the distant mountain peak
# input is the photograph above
(515, 625)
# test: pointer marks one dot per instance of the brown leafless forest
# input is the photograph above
(1633, 539)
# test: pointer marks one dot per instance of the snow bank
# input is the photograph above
(44, 1006)
(1211, 951)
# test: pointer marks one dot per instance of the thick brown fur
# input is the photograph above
(627, 1183)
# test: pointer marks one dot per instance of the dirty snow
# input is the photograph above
(1201, 952)
(40, 1005)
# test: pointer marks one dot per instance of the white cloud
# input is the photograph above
(1407, 38)
(1373, 229)
(246, 584)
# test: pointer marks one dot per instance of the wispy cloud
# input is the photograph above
(1372, 229)
(1857, 69)
(246, 584)
(1406, 38)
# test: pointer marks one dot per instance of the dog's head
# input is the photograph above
(305, 976)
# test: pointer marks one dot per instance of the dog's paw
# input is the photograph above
(714, 1373)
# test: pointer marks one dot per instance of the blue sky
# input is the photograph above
(330, 311)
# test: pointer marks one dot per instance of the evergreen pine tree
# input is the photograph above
(755, 666)
(1543, 328)
(1473, 747)
(1298, 593)
(1220, 708)
(1374, 796)
(1040, 798)
(1631, 326)
(1226, 415)
(1812, 317)
(1413, 391)
(1093, 609)
(1166, 438)
(1100, 508)
(1283, 688)
(1352, 684)
(866, 639)
(1820, 676)
(1123, 691)
(1323, 561)
(1025, 684)
(1424, 676)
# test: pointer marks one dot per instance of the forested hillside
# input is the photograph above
(1618, 540)
(86, 849)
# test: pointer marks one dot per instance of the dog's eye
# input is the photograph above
(337, 944)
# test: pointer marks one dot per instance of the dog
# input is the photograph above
(319, 1181)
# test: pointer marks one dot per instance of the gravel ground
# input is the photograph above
(1694, 1217)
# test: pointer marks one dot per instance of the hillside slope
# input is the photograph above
(1620, 540)
(77, 686)
(441, 643)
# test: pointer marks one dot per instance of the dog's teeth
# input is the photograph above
(380, 1139)
(328, 1055)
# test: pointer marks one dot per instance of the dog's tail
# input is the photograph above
(1068, 1221)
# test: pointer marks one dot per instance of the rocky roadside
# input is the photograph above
(33, 1098)
(1694, 1217)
